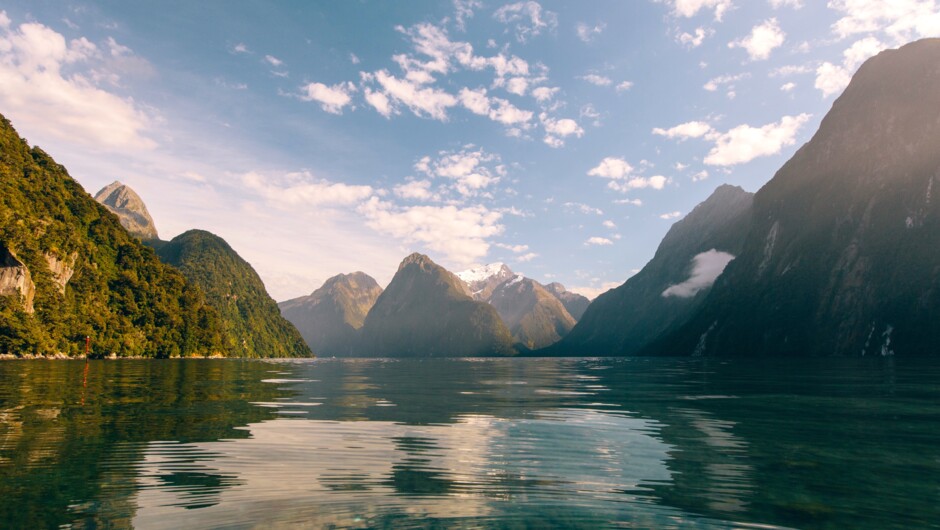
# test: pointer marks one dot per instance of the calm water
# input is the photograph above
(522, 443)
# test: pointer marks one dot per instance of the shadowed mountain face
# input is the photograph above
(425, 312)
(574, 303)
(668, 290)
(329, 319)
(130, 209)
(253, 325)
(536, 317)
(533, 315)
(843, 256)
(70, 270)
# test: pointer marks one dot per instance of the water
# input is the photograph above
(524, 443)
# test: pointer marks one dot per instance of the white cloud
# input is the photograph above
(528, 19)
(790, 69)
(795, 4)
(463, 10)
(588, 111)
(587, 33)
(273, 61)
(832, 78)
(764, 38)
(745, 143)
(353, 58)
(471, 170)
(543, 94)
(593, 292)
(558, 129)
(518, 249)
(690, 8)
(416, 190)
(525, 258)
(596, 79)
(583, 208)
(517, 85)
(459, 233)
(670, 215)
(693, 40)
(788, 87)
(612, 168)
(701, 175)
(633, 202)
(692, 129)
(240, 48)
(901, 20)
(610, 224)
(706, 267)
(496, 109)
(422, 101)
(48, 87)
(303, 189)
(379, 102)
(657, 182)
(624, 86)
(729, 80)
(598, 241)
(332, 99)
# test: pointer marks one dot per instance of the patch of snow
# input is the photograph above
(481, 273)
(769, 244)
(515, 279)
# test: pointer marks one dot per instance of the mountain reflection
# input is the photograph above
(495, 443)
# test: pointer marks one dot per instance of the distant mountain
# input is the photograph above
(671, 287)
(481, 281)
(575, 303)
(534, 316)
(130, 209)
(69, 270)
(843, 255)
(426, 312)
(252, 324)
(329, 319)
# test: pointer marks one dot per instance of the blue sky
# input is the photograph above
(324, 137)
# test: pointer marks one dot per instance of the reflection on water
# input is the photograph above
(469, 443)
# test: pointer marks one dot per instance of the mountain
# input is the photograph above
(481, 281)
(329, 319)
(534, 316)
(130, 209)
(68, 270)
(574, 303)
(426, 312)
(671, 287)
(252, 324)
(843, 255)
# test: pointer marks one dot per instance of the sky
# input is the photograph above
(318, 138)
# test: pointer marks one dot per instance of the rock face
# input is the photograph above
(535, 317)
(843, 255)
(329, 319)
(574, 303)
(121, 200)
(425, 312)
(91, 277)
(252, 324)
(481, 281)
(671, 287)
(15, 279)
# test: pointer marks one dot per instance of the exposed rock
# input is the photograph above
(671, 287)
(534, 316)
(329, 319)
(15, 279)
(574, 303)
(124, 202)
(843, 255)
(62, 270)
(425, 312)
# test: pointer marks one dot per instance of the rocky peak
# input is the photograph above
(124, 202)
(481, 281)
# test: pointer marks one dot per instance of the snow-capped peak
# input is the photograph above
(479, 274)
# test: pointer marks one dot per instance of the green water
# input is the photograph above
(526, 443)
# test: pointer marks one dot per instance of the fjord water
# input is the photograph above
(523, 443)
